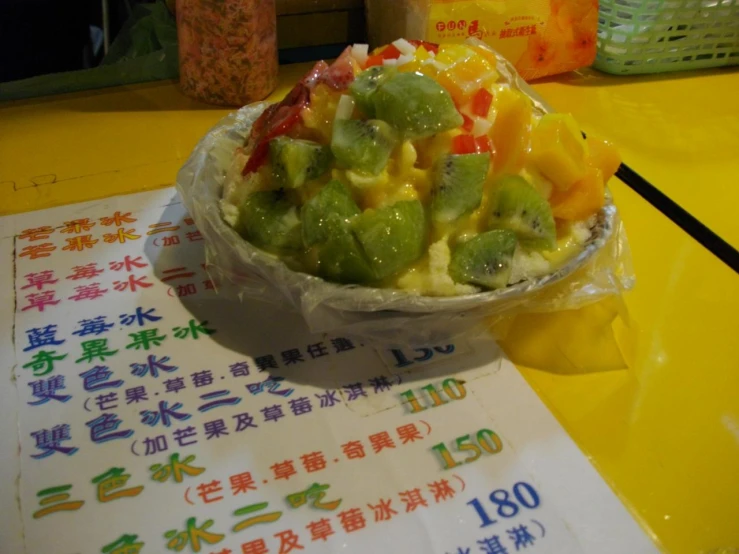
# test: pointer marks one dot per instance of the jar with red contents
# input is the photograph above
(228, 50)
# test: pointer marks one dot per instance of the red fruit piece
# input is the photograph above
(483, 144)
(467, 144)
(278, 119)
(428, 46)
(257, 158)
(464, 144)
(259, 126)
(311, 78)
(341, 73)
(468, 124)
(390, 53)
(481, 102)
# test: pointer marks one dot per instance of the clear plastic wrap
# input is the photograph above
(601, 270)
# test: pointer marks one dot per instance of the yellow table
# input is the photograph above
(680, 131)
(664, 434)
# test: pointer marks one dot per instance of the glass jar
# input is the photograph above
(228, 50)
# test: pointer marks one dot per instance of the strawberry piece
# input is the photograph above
(276, 120)
(341, 73)
(257, 158)
(259, 126)
(311, 78)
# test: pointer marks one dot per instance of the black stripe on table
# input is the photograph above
(707, 238)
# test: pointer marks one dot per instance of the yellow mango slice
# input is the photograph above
(467, 71)
(511, 131)
(487, 54)
(319, 115)
(585, 197)
(419, 57)
(558, 150)
(604, 156)
(431, 149)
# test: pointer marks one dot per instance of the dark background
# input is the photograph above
(50, 36)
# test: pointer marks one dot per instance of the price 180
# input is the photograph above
(487, 440)
(524, 496)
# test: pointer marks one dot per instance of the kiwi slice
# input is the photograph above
(268, 220)
(363, 145)
(416, 105)
(485, 259)
(392, 237)
(457, 185)
(366, 84)
(341, 259)
(295, 161)
(328, 212)
(516, 205)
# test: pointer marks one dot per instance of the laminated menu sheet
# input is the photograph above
(144, 413)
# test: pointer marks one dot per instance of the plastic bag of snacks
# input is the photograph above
(539, 37)
(361, 245)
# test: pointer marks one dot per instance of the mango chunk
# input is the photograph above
(466, 71)
(584, 198)
(558, 150)
(511, 131)
(419, 57)
(603, 156)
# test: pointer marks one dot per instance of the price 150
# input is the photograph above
(487, 440)
(506, 504)
(451, 387)
(419, 355)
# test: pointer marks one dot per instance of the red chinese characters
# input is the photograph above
(40, 300)
(121, 235)
(78, 226)
(117, 219)
(36, 251)
(37, 233)
(39, 280)
(79, 243)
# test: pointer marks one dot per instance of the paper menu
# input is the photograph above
(154, 416)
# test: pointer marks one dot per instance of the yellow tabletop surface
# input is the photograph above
(680, 131)
(665, 432)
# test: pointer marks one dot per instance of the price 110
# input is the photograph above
(453, 389)
(487, 440)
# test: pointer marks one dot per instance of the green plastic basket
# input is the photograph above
(653, 36)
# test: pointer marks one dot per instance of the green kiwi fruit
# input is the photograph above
(363, 145)
(457, 185)
(485, 259)
(327, 212)
(268, 220)
(518, 206)
(392, 237)
(415, 105)
(341, 258)
(295, 161)
(366, 84)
